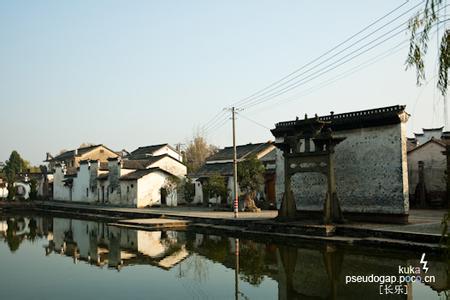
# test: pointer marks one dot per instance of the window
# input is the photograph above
(87, 192)
(132, 186)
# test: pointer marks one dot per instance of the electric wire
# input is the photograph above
(277, 83)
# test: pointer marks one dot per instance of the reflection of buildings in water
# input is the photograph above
(3, 227)
(16, 229)
(320, 273)
(311, 271)
(100, 244)
(314, 271)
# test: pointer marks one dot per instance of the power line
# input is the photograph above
(218, 126)
(395, 49)
(342, 75)
(213, 120)
(326, 69)
(322, 71)
(253, 121)
(252, 100)
(277, 83)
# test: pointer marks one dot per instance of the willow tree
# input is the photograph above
(420, 26)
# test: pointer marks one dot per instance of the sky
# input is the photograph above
(135, 73)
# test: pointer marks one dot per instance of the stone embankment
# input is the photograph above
(423, 233)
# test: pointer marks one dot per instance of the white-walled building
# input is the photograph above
(427, 166)
(155, 150)
(221, 164)
(124, 182)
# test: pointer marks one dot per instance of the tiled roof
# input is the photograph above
(147, 149)
(142, 163)
(223, 169)
(80, 151)
(141, 173)
(410, 144)
(356, 119)
(242, 151)
(271, 156)
(435, 141)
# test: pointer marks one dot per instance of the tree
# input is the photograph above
(170, 187)
(197, 151)
(33, 189)
(13, 167)
(215, 186)
(187, 189)
(250, 177)
(420, 26)
(15, 164)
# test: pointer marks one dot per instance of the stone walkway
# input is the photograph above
(424, 229)
(421, 221)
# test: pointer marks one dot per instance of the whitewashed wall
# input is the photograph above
(169, 151)
(435, 165)
(60, 192)
(149, 189)
(371, 173)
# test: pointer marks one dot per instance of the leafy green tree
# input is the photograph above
(33, 189)
(13, 167)
(15, 164)
(215, 186)
(250, 175)
(420, 26)
(187, 189)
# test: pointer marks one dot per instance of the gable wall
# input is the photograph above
(370, 169)
(435, 165)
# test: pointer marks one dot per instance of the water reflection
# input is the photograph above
(309, 271)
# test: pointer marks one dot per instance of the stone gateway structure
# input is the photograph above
(370, 166)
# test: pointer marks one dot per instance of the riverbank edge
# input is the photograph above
(265, 229)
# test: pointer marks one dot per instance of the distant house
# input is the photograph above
(124, 182)
(155, 150)
(427, 168)
(221, 164)
(427, 134)
(71, 158)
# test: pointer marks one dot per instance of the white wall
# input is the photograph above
(435, 165)
(168, 164)
(149, 190)
(60, 192)
(168, 150)
(81, 185)
(370, 169)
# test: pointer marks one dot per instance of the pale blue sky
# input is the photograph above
(131, 73)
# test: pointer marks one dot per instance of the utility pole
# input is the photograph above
(236, 195)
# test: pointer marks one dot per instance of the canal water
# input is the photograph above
(49, 257)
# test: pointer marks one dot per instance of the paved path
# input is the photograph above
(421, 221)
(180, 211)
